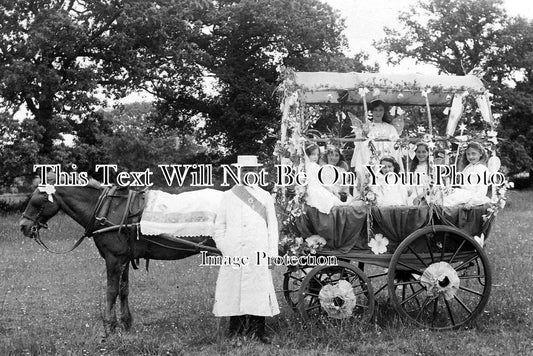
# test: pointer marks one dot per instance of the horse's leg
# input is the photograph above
(125, 315)
(113, 277)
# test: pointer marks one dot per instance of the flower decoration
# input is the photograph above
(440, 278)
(376, 92)
(49, 190)
(492, 133)
(400, 96)
(362, 91)
(315, 242)
(426, 92)
(338, 300)
(379, 244)
(480, 239)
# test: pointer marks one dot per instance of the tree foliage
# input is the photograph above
(469, 36)
(211, 65)
(246, 42)
(55, 56)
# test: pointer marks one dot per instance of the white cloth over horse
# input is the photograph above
(186, 214)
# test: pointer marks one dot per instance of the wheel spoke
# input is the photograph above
(380, 289)
(435, 309)
(311, 294)
(449, 311)
(470, 290)
(319, 281)
(406, 283)
(378, 275)
(478, 276)
(413, 291)
(410, 267)
(429, 249)
(457, 251)
(412, 295)
(417, 256)
(462, 304)
(312, 307)
(466, 263)
(422, 308)
(364, 291)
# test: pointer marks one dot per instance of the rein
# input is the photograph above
(38, 225)
(37, 238)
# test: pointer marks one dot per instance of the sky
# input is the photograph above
(365, 19)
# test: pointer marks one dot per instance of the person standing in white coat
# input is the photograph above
(246, 228)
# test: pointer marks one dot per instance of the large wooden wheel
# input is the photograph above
(309, 303)
(439, 278)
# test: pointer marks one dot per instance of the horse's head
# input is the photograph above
(41, 207)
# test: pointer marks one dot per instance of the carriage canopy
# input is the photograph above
(322, 88)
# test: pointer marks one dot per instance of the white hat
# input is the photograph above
(247, 161)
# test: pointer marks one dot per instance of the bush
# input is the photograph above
(13, 203)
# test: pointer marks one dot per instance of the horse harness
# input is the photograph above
(100, 223)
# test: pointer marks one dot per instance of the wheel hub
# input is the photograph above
(440, 278)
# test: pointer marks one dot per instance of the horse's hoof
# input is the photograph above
(126, 323)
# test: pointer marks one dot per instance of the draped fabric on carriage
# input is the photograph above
(345, 227)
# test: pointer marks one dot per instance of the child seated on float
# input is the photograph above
(474, 160)
(337, 167)
(389, 191)
(420, 164)
(317, 195)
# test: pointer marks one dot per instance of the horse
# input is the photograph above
(110, 215)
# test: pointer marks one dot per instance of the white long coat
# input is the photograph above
(241, 232)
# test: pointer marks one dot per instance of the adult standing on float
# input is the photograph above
(379, 129)
(246, 226)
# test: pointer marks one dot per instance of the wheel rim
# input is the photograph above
(292, 282)
(435, 308)
(309, 304)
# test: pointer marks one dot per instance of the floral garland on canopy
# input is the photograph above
(291, 150)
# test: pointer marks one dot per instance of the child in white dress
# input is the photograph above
(389, 194)
(471, 194)
(335, 166)
(317, 195)
(419, 164)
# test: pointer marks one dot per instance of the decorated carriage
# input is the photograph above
(427, 258)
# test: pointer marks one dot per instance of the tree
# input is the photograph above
(18, 148)
(246, 43)
(55, 56)
(459, 36)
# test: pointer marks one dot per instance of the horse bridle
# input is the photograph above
(37, 225)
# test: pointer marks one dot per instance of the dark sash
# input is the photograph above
(250, 200)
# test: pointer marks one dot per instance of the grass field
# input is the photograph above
(53, 304)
